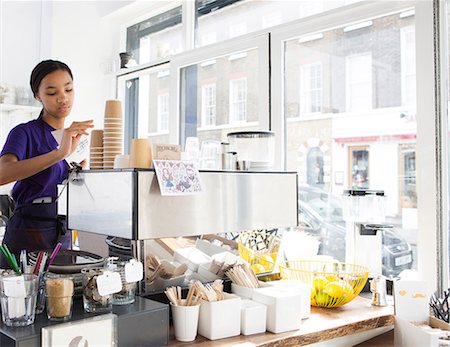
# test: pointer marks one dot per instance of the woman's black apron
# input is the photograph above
(34, 227)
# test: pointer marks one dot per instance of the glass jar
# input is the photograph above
(59, 293)
(127, 294)
(92, 300)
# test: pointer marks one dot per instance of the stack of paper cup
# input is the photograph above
(140, 153)
(113, 133)
(96, 150)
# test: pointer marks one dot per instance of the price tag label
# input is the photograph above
(134, 271)
(109, 283)
(14, 286)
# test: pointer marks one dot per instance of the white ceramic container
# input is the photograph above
(283, 308)
(253, 317)
(245, 292)
(220, 319)
(191, 256)
(297, 287)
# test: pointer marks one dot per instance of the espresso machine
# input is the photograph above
(364, 214)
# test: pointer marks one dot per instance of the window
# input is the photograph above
(146, 96)
(408, 193)
(238, 100)
(347, 74)
(157, 37)
(163, 112)
(232, 18)
(311, 88)
(363, 127)
(408, 49)
(223, 88)
(359, 167)
(209, 105)
(358, 77)
(315, 167)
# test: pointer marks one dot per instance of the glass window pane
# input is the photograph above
(349, 108)
(220, 95)
(147, 99)
(156, 37)
(220, 20)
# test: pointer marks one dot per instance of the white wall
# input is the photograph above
(22, 39)
(78, 33)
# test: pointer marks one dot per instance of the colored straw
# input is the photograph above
(53, 255)
(10, 258)
(37, 266)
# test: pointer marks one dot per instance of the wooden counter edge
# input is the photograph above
(328, 334)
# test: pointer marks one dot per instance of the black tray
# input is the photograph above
(71, 261)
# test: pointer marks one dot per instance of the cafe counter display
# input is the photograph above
(145, 322)
(357, 321)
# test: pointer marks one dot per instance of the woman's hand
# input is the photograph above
(72, 135)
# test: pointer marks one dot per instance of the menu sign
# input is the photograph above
(177, 177)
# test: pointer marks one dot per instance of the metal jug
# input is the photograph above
(378, 289)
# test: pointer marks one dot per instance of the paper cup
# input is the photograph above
(140, 153)
(185, 322)
(113, 126)
(113, 109)
(96, 138)
(121, 161)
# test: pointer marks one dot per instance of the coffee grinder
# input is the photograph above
(364, 214)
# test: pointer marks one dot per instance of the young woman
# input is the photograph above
(31, 157)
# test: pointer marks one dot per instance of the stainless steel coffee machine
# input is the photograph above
(364, 214)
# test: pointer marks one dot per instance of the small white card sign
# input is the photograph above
(95, 331)
(82, 151)
(109, 283)
(134, 271)
(177, 177)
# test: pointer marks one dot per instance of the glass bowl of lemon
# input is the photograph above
(259, 249)
(332, 283)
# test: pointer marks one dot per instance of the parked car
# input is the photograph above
(320, 215)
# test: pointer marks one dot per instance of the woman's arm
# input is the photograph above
(12, 169)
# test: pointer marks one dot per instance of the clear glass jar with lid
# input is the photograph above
(128, 292)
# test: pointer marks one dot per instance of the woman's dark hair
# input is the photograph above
(44, 68)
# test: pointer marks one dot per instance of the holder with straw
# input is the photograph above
(10, 258)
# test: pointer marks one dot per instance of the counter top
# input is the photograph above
(323, 324)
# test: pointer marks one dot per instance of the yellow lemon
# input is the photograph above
(321, 299)
(334, 289)
(319, 283)
(267, 262)
(332, 277)
(348, 289)
(258, 268)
